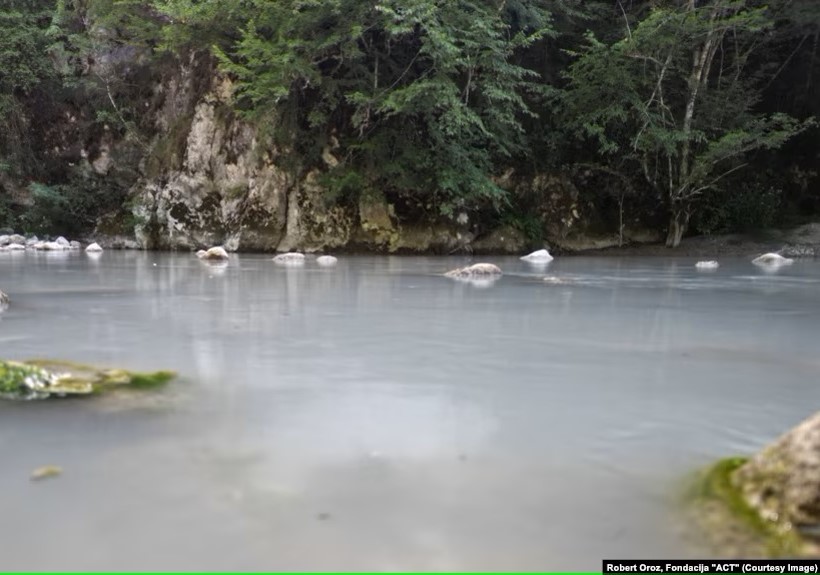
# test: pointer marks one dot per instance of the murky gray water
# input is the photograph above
(378, 416)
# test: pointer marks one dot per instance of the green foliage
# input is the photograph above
(71, 208)
(660, 104)
(425, 96)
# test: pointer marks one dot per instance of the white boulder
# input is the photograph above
(61, 241)
(75, 245)
(15, 247)
(327, 261)
(217, 253)
(707, 265)
(772, 260)
(540, 256)
(5, 240)
(93, 248)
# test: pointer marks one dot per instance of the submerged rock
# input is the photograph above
(772, 260)
(540, 256)
(475, 270)
(93, 248)
(327, 261)
(41, 379)
(290, 259)
(708, 265)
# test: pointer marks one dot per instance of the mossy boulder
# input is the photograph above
(767, 505)
(42, 379)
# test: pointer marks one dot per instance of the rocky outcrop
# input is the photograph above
(765, 506)
(782, 482)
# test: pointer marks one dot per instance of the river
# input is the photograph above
(378, 416)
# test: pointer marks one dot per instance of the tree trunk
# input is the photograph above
(678, 223)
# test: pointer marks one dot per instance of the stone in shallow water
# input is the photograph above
(94, 248)
(772, 260)
(540, 256)
(217, 253)
(783, 481)
(41, 379)
(708, 265)
(290, 259)
(475, 270)
(326, 261)
(46, 472)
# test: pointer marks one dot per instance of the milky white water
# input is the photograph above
(378, 416)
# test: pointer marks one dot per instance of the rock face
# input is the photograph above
(772, 260)
(783, 481)
(475, 270)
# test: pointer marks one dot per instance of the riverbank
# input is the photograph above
(802, 241)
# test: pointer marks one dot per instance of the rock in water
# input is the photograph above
(772, 260)
(4, 300)
(41, 379)
(62, 242)
(94, 248)
(46, 472)
(15, 247)
(782, 482)
(710, 265)
(475, 270)
(75, 245)
(201, 254)
(290, 259)
(326, 261)
(540, 256)
(215, 254)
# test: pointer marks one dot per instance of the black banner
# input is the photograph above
(711, 566)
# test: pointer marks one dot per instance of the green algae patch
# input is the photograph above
(728, 524)
(44, 378)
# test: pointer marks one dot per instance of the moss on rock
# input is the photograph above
(728, 525)
(42, 379)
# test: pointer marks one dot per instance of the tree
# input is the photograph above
(674, 100)
(422, 96)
